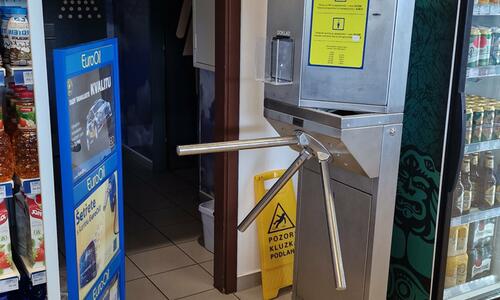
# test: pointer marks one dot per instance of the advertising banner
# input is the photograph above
(88, 109)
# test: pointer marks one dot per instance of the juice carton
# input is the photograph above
(5, 247)
(29, 223)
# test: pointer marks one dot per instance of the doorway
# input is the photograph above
(165, 105)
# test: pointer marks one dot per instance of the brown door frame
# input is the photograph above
(227, 122)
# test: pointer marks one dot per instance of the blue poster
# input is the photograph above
(88, 111)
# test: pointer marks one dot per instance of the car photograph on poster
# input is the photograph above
(97, 117)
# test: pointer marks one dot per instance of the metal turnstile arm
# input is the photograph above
(274, 190)
(333, 230)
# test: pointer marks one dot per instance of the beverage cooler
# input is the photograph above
(467, 256)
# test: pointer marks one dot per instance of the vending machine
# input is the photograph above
(467, 255)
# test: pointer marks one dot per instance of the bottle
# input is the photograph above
(475, 180)
(25, 141)
(458, 197)
(467, 184)
(461, 265)
(7, 155)
(450, 279)
(488, 183)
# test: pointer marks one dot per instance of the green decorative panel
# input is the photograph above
(422, 149)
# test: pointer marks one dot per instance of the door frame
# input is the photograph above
(227, 107)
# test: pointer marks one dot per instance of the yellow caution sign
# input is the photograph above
(338, 33)
(276, 228)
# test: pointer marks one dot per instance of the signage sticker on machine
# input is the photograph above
(338, 33)
(88, 110)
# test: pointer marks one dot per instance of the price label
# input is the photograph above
(35, 187)
(9, 284)
(39, 278)
(28, 77)
(3, 192)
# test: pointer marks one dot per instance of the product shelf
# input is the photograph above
(475, 216)
(483, 72)
(10, 282)
(472, 289)
(482, 146)
(20, 75)
(37, 275)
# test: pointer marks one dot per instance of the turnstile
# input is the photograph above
(335, 91)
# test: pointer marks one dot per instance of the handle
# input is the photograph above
(294, 168)
(333, 230)
(237, 145)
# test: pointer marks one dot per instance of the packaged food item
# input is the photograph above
(25, 142)
(29, 228)
(7, 155)
(7, 13)
(480, 263)
(495, 45)
(5, 240)
(18, 31)
(458, 240)
(481, 233)
(456, 270)
(485, 46)
(474, 46)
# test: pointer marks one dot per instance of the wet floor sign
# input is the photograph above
(276, 228)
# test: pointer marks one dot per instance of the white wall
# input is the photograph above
(253, 125)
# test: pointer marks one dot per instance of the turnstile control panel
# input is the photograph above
(339, 54)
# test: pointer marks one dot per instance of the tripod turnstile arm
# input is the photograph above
(278, 185)
(333, 231)
(237, 145)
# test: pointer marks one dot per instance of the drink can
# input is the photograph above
(477, 132)
(495, 46)
(485, 46)
(497, 113)
(474, 48)
(487, 133)
(489, 115)
(468, 117)
(468, 135)
(496, 133)
(477, 116)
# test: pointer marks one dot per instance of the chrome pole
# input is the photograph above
(237, 145)
(294, 168)
(333, 230)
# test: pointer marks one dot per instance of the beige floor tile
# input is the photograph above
(196, 251)
(208, 266)
(183, 282)
(183, 233)
(161, 260)
(211, 295)
(144, 241)
(131, 271)
(142, 289)
(250, 294)
(167, 217)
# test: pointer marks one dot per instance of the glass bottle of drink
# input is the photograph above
(25, 141)
(458, 197)
(467, 184)
(475, 180)
(6, 154)
(488, 183)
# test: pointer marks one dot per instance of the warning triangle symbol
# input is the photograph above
(281, 220)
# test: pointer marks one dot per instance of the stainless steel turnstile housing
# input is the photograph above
(346, 123)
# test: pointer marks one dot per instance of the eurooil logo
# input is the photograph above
(91, 60)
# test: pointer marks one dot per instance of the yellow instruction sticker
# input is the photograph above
(338, 33)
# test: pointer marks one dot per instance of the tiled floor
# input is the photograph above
(162, 237)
